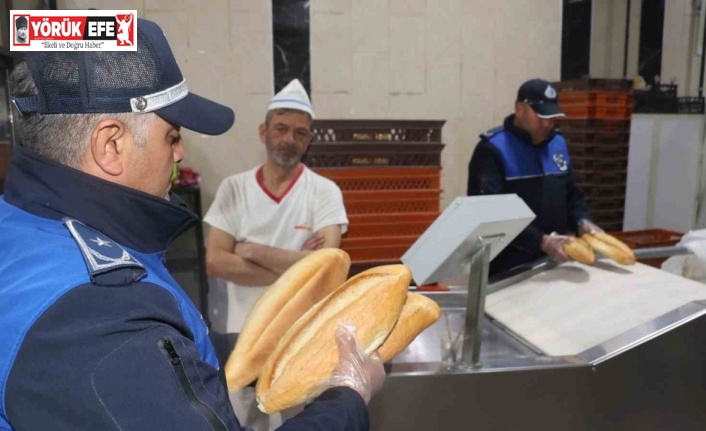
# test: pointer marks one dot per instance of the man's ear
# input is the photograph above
(263, 132)
(108, 145)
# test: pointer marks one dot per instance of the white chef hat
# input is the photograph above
(293, 96)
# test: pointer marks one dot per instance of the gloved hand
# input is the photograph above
(587, 226)
(553, 244)
(365, 374)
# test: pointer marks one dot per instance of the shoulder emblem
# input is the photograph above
(103, 255)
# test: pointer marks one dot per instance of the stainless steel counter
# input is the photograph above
(650, 377)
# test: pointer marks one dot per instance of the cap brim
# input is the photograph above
(548, 110)
(199, 114)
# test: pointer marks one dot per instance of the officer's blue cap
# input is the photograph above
(542, 97)
(146, 80)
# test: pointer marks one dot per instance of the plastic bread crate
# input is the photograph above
(596, 98)
(384, 178)
(391, 201)
(607, 112)
(392, 224)
(376, 249)
(367, 154)
(593, 125)
(377, 130)
(648, 238)
(595, 84)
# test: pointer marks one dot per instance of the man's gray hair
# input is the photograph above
(65, 138)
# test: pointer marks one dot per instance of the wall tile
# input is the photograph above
(165, 5)
(370, 91)
(209, 26)
(407, 7)
(409, 107)
(330, 53)
(251, 40)
(330, 6)
(332, 105)
(369, 26)
(253, 6)
(407, 54)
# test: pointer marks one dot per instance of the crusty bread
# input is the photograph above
(580, 251)
(308, 354)
(610, 247)
(418, 313)
(300, 287)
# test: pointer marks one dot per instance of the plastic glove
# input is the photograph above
(587, 226)
(365, 374)
(553, 244)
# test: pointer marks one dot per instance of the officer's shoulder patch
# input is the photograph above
(107, 262)
(494, 131)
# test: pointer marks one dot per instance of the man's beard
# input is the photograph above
(286, 156)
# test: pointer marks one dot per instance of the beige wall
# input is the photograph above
(608, 38)
(681, 36)
(457, 60)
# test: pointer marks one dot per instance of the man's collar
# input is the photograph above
(522, 134)
(134, 219)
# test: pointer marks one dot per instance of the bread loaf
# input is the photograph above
(610, 247)
(308, 354)
(300, 287)
(580, 251)
(418, 313)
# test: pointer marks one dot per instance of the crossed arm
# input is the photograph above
(257, 264)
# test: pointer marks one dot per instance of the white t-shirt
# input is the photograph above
(245, 209)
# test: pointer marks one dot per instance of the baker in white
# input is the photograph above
(264, 220)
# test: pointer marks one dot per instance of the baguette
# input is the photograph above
(308, 354)
(611, 247)
(418, 313)
(580, 251)
(300, 287)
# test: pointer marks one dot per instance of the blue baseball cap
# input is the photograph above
(542, 97)
(146, 80)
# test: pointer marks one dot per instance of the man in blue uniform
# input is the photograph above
(96, 334)
(529, 157)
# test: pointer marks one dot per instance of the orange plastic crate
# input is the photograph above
(649, 238)
(384, 178)
(376, 249)
(387, 229)
(596, 98)
(391, 201)
(597, 111)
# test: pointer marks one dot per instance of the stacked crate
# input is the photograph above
(597, 130)
(390, 175)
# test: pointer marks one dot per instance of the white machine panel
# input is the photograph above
(444, 250)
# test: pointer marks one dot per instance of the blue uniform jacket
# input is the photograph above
(506, 161)
(96, 335)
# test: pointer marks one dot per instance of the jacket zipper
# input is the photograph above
(167, 348)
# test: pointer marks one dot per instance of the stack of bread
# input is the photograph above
(582, 249)
(288, 341)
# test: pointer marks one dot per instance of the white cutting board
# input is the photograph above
(573, 307)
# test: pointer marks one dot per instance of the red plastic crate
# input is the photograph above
(607, 112)
(391, 201)
(377, 249)
(649, 238)
(596, 98)
(384, 225)
(384, 178)
(593, 125)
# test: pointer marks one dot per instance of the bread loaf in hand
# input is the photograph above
(610, 247)
(300, 287)
(580, 251)
(308, 354)
(418, 313)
